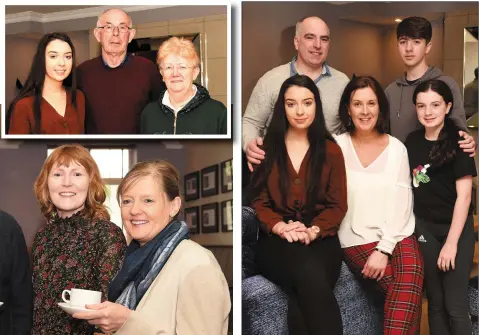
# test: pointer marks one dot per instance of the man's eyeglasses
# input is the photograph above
(168, 69)
(109, 28)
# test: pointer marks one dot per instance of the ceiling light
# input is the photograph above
(397, 20)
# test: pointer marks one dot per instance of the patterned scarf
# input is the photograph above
(143, 264)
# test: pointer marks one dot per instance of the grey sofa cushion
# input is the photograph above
(265, 307)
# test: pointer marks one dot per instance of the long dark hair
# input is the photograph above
(275, 146)
(444, 149)
(36, 78)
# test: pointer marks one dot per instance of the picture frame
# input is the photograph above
(209, 181)
(192, 218)
(227, 176)
(209, 218)
(192, 186)
(227, 215)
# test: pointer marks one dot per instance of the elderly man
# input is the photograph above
(312, 42)
(16, 297)
(117, 86)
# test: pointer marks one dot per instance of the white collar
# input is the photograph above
(166, 100)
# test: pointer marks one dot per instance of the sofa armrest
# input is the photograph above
(250, 225)
(250, 229)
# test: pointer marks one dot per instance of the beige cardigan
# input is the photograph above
(189, 296)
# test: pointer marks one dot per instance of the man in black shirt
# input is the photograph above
(16, 297)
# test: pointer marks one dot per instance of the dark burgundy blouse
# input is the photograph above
(22, 120)
(331, 206)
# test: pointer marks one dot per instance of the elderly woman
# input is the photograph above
(377, 232)
(168, 284)
(78, 247)
(185, 107)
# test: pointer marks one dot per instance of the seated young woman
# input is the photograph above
(299, 194)
(377, 233)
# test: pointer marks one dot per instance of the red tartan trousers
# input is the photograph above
(402, 284)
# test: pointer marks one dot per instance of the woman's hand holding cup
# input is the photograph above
(107, 316)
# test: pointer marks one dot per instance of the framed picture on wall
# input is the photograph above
(209, 181)
(192, 219)
(227, 176)
(227, 215)
(192, 186)
(209, 218)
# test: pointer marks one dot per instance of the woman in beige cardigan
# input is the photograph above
(168, 284)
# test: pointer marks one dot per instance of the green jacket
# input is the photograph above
(202, 115)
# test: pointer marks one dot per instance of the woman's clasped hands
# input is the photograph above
(294, 231)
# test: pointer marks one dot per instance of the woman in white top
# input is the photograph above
(376, 234)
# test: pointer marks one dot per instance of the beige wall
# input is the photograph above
(357, 49)
(455, 23)
(22, 50)
(201, 154)
(470, 60)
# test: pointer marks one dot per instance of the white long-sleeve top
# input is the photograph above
(380, 198)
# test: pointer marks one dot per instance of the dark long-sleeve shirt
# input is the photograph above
(331, 205)
(15, 279)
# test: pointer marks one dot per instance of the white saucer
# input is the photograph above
(72, 309)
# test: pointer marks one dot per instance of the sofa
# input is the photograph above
(264, 304)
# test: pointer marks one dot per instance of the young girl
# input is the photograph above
(300, 199)
(49, 102)
(442, 178)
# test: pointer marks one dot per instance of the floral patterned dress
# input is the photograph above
(72, 253)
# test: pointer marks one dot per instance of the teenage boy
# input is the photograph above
(414, 43)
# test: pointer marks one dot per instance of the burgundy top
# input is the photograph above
(331, 206)
(115, 97)
(51, 123)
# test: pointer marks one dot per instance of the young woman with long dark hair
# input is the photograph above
(442, 178)
(49, 102)
(299, 194)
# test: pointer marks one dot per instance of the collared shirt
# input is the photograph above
(127, 57)
(324, 73)
(166, 100)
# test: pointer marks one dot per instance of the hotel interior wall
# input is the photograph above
(210, 21)
(356, 47)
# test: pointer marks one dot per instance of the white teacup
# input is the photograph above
(80, 298)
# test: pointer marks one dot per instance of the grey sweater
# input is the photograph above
(259, 111)
(403, 112)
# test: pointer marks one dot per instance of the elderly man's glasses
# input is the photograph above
(109, 28)
(168, 69)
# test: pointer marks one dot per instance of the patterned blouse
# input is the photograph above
(72, 253)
